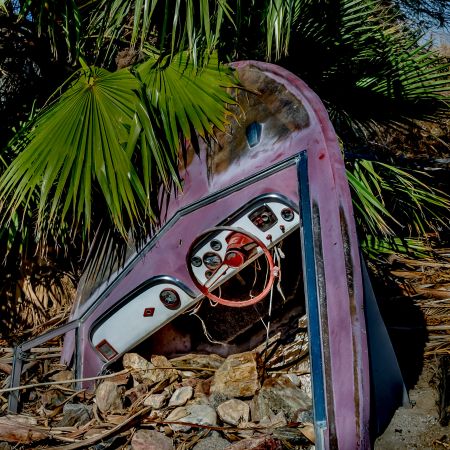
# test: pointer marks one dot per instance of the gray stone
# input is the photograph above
(156, 401)
(108, 397)
(212, 442)
(274, 421)
(234, 411)
(282, 395)
(199, 414)
(151, 440)
(147, 372)
(181, 396)
(260, 408)
(52, 398)
(192, 361)
(75, 414)
(237, 376)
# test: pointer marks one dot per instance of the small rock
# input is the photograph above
(294, 378)
(108, 397)
(217, 398)
(237, 376)
(193, 361)
(136, 392)
(262, 443)
(151, 440)
(234, 411)
(63, 375)
(282, 395)
(260, 408)
(274, 421)
(75, 414)
(181, 396)
(52, 398)
(212, 442)
(156, 401)
(148, 372)
(199, 414)
(304, 416)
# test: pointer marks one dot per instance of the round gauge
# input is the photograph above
(287, 214)
(170, 298)
(212, 260)
(196, 261)
(208, 274)
(216, 245)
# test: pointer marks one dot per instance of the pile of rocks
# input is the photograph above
(186, 403)
(259, 399)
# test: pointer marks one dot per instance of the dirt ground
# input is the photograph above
(417, 427)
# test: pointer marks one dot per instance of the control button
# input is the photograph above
(196, 261)
(148, 312)
(216, 245)
(170, 298)
(287, 214)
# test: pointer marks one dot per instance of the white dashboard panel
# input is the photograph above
(138, 318)
(271, 236)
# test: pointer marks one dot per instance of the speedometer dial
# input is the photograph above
(212, 260)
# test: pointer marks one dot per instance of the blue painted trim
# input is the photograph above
(312, 300)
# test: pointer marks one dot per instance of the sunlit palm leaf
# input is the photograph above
(76, 141)
(187, 98)
(382, 192)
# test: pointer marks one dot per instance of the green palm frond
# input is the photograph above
(75, 141)
(112, 138)
(391, 201)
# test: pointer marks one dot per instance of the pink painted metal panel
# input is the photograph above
(343, 327)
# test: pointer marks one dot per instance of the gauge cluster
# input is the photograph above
(270, 221)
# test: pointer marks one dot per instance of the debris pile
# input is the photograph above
(260, 399)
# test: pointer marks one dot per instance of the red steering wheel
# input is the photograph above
(233, 259)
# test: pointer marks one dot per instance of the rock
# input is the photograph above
(199, 414)
(156, 401)
(260, 408)
(212, 442)
(181, 396)
(237, 376)
(148, 372)
(294, 378)
(151, 440)
(108, 397)
(234, 411)
(52, 398)
(63, 375)
(274, 421)
(192, 361)
(75, 414)
(136, 392)
(282, 395)
(262, 443)
(216, 398)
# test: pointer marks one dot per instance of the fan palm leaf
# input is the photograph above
(115, 135)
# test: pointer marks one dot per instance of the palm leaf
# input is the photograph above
(77, 140)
